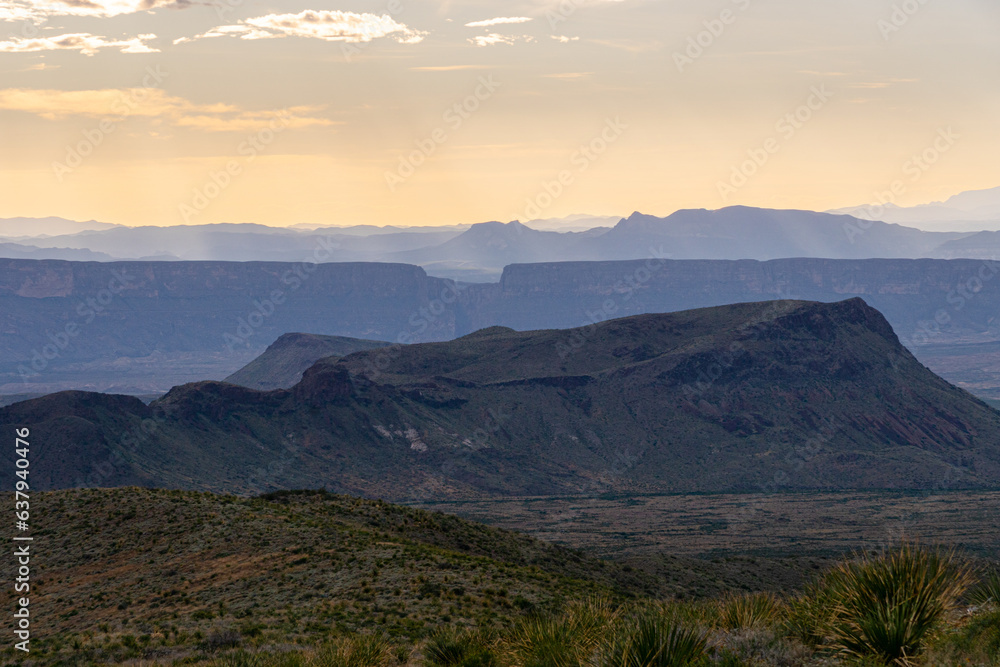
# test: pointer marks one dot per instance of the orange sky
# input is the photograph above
(398, 112)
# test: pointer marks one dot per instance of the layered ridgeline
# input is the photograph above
(142, 327)
(286, 359)
(481, 251)
(788, 394)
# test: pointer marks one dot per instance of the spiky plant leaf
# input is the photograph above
(886, 606)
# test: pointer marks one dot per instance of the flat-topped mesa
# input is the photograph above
(70, 324)
(729, 398)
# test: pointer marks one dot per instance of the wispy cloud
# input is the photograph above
(569, 75)
(330, 26)
(563, 39)
(631, 45)
(501, 20)
(83, 42)
(493, 39)
(812, 72)
(878, 85)
(156, 103)
(447, 68)
(39, 10)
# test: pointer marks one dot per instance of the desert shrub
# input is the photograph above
(264, 659)
(360, 651)
(808, 616)
(221, 639)
(289, 659)
(460, 648)
(886, 607)
(749, 611)
(654, 638)
(746, 648)
(244, 659)
(694, 612)
(987, 592)
(566, 640)
(969, 641)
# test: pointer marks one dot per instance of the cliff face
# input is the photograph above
(146, 326)
(926, 301)
(94, 324)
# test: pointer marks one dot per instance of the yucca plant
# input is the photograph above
(655, 639)
(749, 611)
(262, 659)
(360, 651)
(887, 606)
(808, 616)
(568, 640)
(243, 659)
(460, 648)
(987, 592)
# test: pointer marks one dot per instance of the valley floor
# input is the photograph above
(155, 577)
(778, 524)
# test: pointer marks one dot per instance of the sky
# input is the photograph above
(402, 112)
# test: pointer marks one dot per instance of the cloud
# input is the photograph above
(253, 121)
(493, 39)
(569, 76)
(154, 103)
(813, 72)
(83, 42)
(878, 85)
(447, 68)
(630, 45)
(38, 10)
(330, 26)
(563, 39)
(498, 21)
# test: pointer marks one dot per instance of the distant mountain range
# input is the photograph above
(479, 252)
(731, 233)
(143, 327)
(785, 394)
(975, 210)
(20, 251)
(24, 228)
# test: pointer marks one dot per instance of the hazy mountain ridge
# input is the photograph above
(125, 323)
(636, 411)
(25, 228)
(973, 210)
(21, 251)
(479, 252)
(241, 242)
(178, 322)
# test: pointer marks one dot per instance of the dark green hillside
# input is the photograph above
(168, 568)
(147, 577)
(282, 364)
(788, 394)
